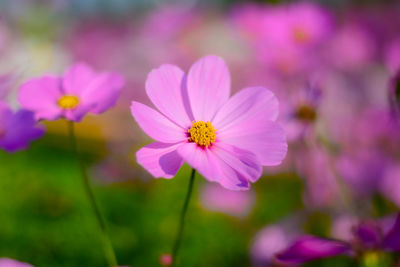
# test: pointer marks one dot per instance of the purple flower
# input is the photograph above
(225, 140)
(6, 262)
(79, 91)
(270, 240)
(367, 236)
(310, 248)
(17, 129)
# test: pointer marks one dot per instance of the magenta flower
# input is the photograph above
(271, 240)
(368, 236)
(6, 262)
(17, 129)
(225, 140)
(79, 91)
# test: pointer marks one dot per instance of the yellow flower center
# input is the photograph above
(68, 102)
(202, 133)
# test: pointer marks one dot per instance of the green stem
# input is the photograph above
(107, 246)
(178, 238)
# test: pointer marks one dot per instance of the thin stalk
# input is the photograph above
(181, 227)
(107, 246)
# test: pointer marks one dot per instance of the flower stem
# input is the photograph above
(178, 238)
(107, 246)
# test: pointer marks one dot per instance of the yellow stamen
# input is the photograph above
(202, 133)
(68, 102)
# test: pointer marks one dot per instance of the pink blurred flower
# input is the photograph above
(283, 35)
(6, 262)
(299, 113)
(392, 56)
(315, 167)
(355, 45)
(234, 203)
(17, 129)
(166, 260)
(298, 24)
(79, 91)
(269, 241)
(225, 140)
(369, 155)
(390, 184)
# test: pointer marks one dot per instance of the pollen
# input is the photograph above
(68, 102)
(202, 133)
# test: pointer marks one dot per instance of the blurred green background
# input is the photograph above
(46, 219)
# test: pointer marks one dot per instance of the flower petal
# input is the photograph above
(40, 96)
(208, 86)
(266, 139)
(164, 86)
(368, 234)
(249, 103)
(76, 78)
(161, 160)
(103, 91)
(392, 240)
(20, 129)
(310, 248)
(231, 167)
(156, 125)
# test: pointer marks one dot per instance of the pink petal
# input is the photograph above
(266, 139)
(208, 87)
(77, 113)
(76, 78)
(156, 125)
(161, 160)
(164, 87)
(40, 96)
(249, 103)
(231, 167)
(102, 92)
(310, 248)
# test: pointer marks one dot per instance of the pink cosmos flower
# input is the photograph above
(17, 129)
(6, 262)
(225, 140)
(79, 91)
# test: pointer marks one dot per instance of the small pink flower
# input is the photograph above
(166, 260)
(225, 140)
(6, 262)
(79, 91)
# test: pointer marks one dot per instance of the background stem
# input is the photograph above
(108, 249)
(178, 238)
